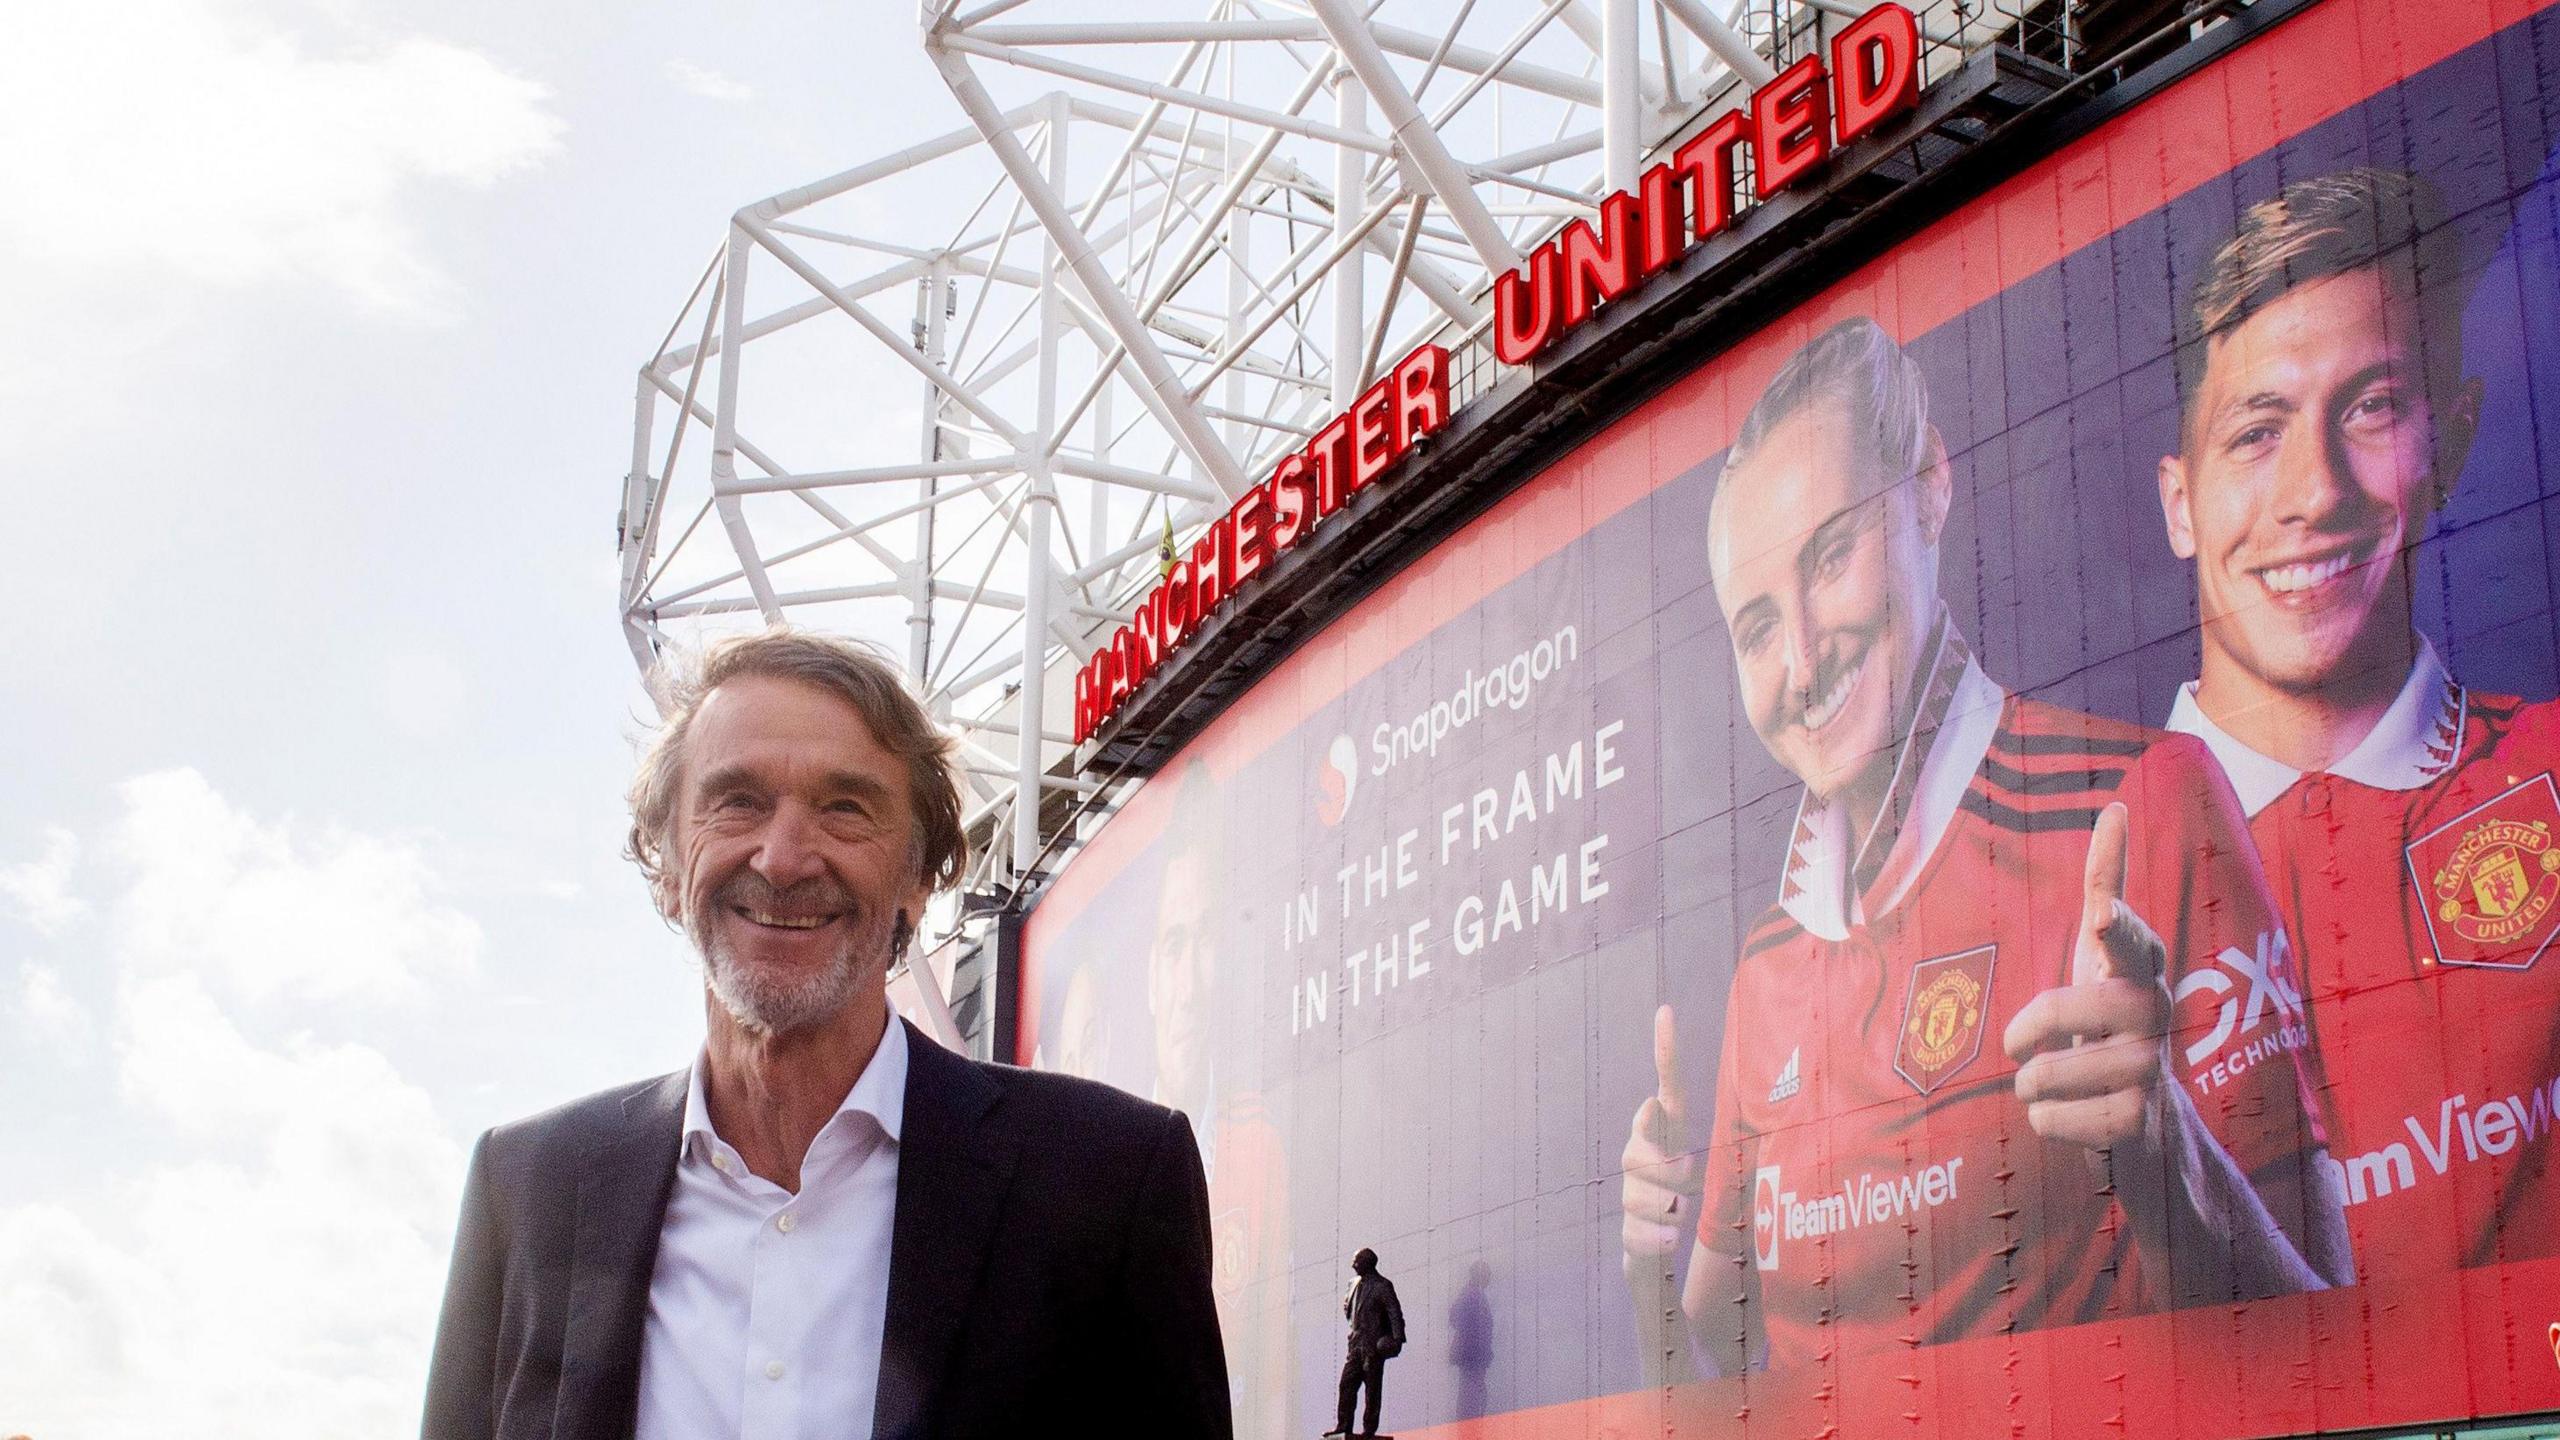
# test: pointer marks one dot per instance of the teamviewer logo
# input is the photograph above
(1767, 1206)
(1336, 779)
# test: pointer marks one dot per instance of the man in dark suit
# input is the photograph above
(827, 1225)
(1377, 1335)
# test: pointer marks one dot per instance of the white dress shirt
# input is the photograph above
(766, 1308)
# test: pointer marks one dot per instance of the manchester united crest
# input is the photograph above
(1942, 1009)
(1230, 1234)
(2490, 880)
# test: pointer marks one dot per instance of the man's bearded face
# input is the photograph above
(767, 998)
(796, 851)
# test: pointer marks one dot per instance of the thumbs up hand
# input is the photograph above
(2092, 1055)
(1660, 1192)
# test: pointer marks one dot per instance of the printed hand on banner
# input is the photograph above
(2093, 1055)
(1660, 1193)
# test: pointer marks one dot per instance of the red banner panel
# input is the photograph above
(1983, 865)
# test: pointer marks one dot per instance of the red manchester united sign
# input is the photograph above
(1791, 125)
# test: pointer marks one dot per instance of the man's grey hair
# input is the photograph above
(939, 848)
(1861, 375)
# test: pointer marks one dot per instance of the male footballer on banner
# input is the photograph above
(1239, 1145)
(1950, 1101)
(2408, 825)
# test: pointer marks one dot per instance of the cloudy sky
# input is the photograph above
(323, 317)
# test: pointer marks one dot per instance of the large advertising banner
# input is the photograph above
(1983, 865)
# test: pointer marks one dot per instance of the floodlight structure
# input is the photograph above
(966, 395)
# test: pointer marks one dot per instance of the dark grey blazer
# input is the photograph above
(1048, 1267)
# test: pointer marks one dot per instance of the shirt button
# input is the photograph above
(721, 1163)
(773, 1371)
(784, 1222)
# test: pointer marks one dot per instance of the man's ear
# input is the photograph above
(1937, 482)
(911, 913)
(2457, 425)
(2176, 512)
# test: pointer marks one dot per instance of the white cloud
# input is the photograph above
(56, 1020)
(263, 1257)
(274, 1276)
(271, 910)
(708, 83)
(41, 888)
(161, 141)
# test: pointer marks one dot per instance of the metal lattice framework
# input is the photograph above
(966, 392)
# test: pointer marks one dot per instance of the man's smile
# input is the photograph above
(782, 922)
(2306, 581)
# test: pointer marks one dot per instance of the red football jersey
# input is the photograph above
(1248, 1174)
(1248, 1195)
(2424, 905)
(1872, 1175)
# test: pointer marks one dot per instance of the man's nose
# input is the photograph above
(787, 853)
(2313, 479)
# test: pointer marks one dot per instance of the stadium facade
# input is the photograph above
(1885, 769)
(1902, 784)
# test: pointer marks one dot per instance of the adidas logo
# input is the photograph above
(1790, 1079)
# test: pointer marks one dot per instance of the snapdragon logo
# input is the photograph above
(1336, 779)
(1506, 686)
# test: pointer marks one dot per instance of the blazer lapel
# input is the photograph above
(951, 1176)
(622, 1200)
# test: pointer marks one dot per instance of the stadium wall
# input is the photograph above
(1772, 790)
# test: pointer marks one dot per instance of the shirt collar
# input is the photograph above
(2412, 745)
(1834, 881)
(879, 1092)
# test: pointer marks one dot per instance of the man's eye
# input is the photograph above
(734, 801)
(1754, 637)
(847, 807)
(2253, 441)
(1832, 558)
(2375, 410)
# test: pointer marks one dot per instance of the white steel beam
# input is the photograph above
(1727, 44)
(942, 379)
(1163, 392)
(956, 45)
(724, 432)
(1620, 75)
(1394, 39)
(1351, 112)
(1414, 136)
(823, 479)
(1042, 504)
